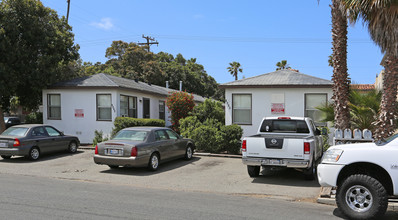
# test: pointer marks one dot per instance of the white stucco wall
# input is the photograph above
(261, 103)
(84, 127)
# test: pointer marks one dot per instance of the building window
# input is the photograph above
(54, 106)
(162, 110)
(242, 109)
(104, 107)
(128, 106)
(311, 102)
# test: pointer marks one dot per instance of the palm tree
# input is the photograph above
(282, 65)
(341, 81)
(234, 68)
(381, 17)
(67, 13)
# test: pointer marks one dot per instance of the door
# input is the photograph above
(146, 108)
(58, 141)
(178, 145)
(165, 145)
(41, 139)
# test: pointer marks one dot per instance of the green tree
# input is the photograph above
(282, 65)
(234, 68)
(209, 109)
(36, 45)
(341, 81)
(381, 18)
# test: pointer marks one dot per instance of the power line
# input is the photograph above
(148, 44)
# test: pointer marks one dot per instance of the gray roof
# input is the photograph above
(280, 78)
(102, 80)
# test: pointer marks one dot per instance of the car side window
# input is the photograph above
(160, 135)
(52, 132)
(172, 135)
(39, 132)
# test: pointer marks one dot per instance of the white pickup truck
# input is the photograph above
(365, 174)
(292, 142)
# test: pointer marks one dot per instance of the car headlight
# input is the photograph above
(332, 156)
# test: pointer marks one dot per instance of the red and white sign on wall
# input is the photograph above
(278, 108)
(79, 113)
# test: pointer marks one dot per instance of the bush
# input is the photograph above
(34, 118)
(231, 138)
(180, 104)
(98, 137)
(126, 122)
(209, 109)
(208, 139)
(188, 125)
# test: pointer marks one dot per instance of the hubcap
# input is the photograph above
(34, 154)
(189, 152)
(155, 162)
(72, 147)
(359, 198)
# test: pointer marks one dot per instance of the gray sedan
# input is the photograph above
(143, 147)
(32, 140)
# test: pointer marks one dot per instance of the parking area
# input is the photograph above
(201, 174)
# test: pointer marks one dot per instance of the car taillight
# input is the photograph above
(284, 118)
(17, 143)
(307, 148)
(244, 146)
(134, 151)
(96, 149)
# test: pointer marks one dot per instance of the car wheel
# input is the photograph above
(362, 197)
(309, 174)
(113, 167)
(5, 157)
(34, 153)
(188, 153)
(153, 162)
(72, 147)
(254, 171)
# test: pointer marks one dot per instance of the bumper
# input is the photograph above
(121, 161)
(13, 152)
(328, 174)
(276, 162)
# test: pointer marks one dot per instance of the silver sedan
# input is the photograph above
(143, 147)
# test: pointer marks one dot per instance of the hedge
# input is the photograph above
(126, 122)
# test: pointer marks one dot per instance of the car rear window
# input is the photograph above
(284, 126)
(131, 135)
(13, 131)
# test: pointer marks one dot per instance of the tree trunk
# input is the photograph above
(386, 124)
(341, 82)
(2, 124)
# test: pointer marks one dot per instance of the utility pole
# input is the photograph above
(67, 14)
(148, 44)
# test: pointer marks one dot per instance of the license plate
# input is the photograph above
(3, 144)
(275, 162)
(113, 151)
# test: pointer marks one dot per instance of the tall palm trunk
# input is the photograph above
(341, 82)
(386, 123)
(2, 123)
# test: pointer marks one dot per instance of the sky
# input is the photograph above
(257, 34)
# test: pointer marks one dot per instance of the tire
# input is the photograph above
(362, 197)
(188, 153)
(5, 157)
(34, 153)
(113, 167)
(72, 147)
(153, 163)
(254, 171)
(309, 174)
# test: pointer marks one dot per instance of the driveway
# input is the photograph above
(201, 174)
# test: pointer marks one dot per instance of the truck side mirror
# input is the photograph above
(317, 132)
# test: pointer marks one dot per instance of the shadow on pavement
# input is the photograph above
(390, 215)
(42, 158)
(143, 171)
(286, 177)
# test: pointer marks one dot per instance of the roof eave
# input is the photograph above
(274, 86)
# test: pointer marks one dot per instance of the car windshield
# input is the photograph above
(131, 135)
(15, 131)
(387, 140)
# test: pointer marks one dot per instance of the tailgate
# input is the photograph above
(275, 147)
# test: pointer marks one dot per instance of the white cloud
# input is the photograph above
(105, 24)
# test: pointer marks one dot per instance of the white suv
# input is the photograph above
(365, 174)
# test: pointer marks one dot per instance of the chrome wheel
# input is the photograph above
(154, 162)
(359, 198)
(72, 147)
(34, 154)
(189, 153)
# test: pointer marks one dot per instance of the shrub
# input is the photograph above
(98, 137)
(188, 125)
(208, 139)
(34, 118)
(209, 109)
(180, 104)
(231, 138)
(126, 122)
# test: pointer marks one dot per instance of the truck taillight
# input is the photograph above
(134, 151)
(96, 149)
(244, 146)
(17, 143)
(307, 148)
(284, 118)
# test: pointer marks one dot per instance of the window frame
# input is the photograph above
(98, 107)
(50, 106)
(134, 110)
(305, 106)
(251, 109)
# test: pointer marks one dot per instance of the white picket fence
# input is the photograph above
(348, 137)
